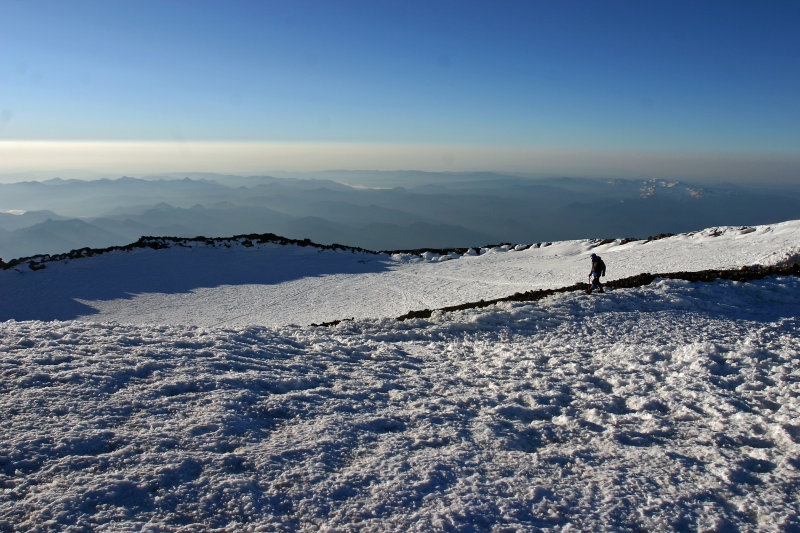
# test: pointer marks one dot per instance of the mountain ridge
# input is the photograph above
(210, 281)
(448, 211)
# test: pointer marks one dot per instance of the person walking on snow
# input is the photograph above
(598, 269)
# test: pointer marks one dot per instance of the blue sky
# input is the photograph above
(677, 79)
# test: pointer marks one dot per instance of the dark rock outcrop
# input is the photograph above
(740, 274)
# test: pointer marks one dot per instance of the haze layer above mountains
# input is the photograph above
(373, 210)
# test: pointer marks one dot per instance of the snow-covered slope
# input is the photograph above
(674, 406)
(271, 284)
(670, 407)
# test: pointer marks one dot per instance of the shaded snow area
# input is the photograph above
(674, 406)
(197, 284)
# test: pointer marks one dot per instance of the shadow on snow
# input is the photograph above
(52, 289)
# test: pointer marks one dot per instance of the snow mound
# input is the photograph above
(787, 257)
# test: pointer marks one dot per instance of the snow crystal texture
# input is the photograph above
(674, 406)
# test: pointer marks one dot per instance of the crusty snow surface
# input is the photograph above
(674, 406)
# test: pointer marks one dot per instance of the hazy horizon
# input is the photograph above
(619, 89)
(40, 160)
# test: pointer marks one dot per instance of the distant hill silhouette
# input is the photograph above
(375, 210)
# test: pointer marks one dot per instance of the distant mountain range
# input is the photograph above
(373, 210)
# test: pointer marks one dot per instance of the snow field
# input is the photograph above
(274, 285)
(669, 407)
